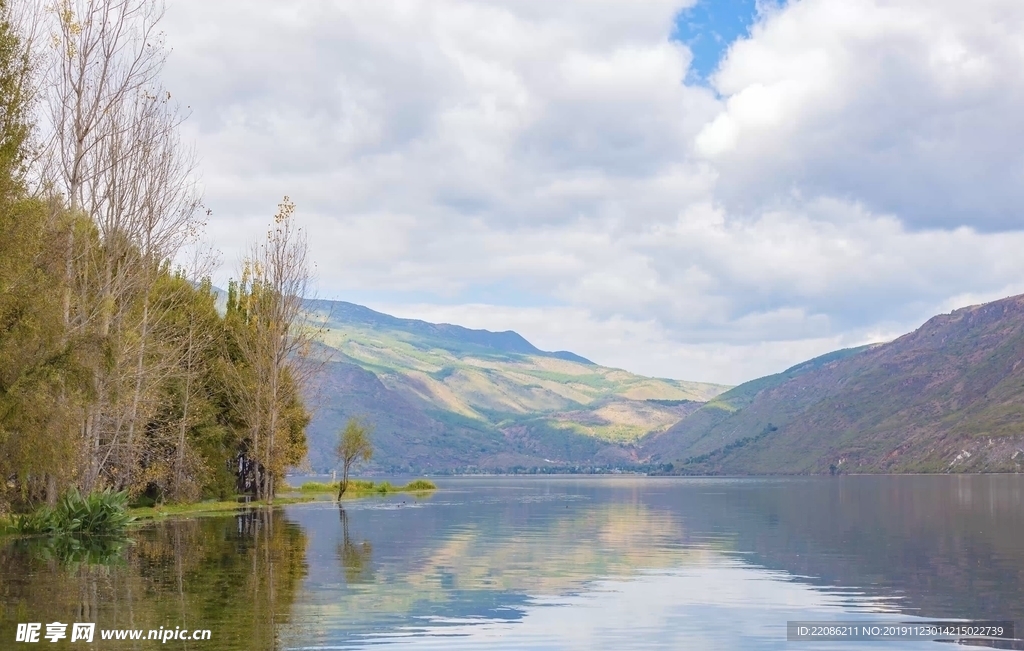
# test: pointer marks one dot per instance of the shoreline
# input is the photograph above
(145, 513)
(297, 495)
(288, 495)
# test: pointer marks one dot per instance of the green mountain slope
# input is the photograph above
(947, 397)
(718, 423)
(442, 396)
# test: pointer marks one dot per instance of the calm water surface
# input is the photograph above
(552, 563)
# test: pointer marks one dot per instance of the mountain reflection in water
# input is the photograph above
(559, 562)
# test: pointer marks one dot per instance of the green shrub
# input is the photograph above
(366, 486)
(100, 514)
(143, 501)
(319, 487)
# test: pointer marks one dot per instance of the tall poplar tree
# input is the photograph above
(35, 365)
(265, 311)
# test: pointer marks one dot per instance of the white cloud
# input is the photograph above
(910, 107)
(856, 167)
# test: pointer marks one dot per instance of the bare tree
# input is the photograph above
(117, 159)
(150, 208)
(106, 53)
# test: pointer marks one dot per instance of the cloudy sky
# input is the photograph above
(710, 191)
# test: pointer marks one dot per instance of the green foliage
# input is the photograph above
(246, 378)
(353, 445)
(355, 441)
(98, 514)
(735, 445)
(40, 374)
(362, 486)
(318, 487)
(209, 507)
(14, 118)
(115, 370)
(42, 377)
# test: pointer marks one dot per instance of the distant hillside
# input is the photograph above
(716, 423)
(445, 397)
(452, 338)
(947, 397)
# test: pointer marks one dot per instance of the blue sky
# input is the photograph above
(709, 27)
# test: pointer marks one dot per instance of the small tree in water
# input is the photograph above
(353, 445)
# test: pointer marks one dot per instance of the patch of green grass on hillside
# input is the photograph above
(671, 403)
(565, 426)
(593, 380)
(392, 356)
(619, 433)
(612, 432)
(741, 396)
(432, 346)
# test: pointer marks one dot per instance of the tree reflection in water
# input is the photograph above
(356, 559)
(236, 576)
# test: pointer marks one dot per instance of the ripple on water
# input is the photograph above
(556, 563)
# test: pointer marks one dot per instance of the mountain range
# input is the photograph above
(443, 397)
(948, 397)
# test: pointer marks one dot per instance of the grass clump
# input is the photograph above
(318, 487)
(365, 487)
(211, 507)
(98, 514)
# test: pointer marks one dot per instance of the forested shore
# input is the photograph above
(117, 370)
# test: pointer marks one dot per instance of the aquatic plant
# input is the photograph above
(102, 513)
(318, 487)
(362, 486)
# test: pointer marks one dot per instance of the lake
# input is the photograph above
(611, 562)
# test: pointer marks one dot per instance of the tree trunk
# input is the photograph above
(137, 393)
(179, 459)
